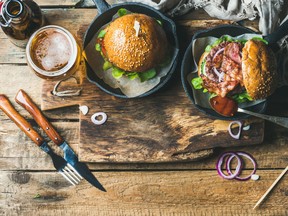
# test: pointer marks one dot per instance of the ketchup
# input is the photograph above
(224, 106)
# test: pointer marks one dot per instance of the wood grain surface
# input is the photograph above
(29, 184)
(141, 193)
(160, 128)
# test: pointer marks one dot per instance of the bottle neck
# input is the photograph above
(16, 11)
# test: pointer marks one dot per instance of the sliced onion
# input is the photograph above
(244, 154)
(220, 162)
(240, 125)
(217, 53)
(219, 74)
(101, 121)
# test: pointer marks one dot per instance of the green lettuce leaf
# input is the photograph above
(132, 75)
(197, 83)
(260, 39)
(122, 12)
(223, 39)
(98, 47)
(107, 65)
(242, 97)
(101, 33)
(147, 75)
(117, 73)
(208, 48)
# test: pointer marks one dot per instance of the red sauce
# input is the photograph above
(224, 106)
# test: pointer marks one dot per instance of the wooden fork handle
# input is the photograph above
(25, 101)
(24, 125)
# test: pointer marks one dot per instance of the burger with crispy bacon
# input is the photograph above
(239, 69)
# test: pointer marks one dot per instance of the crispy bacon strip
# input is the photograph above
(227, 62)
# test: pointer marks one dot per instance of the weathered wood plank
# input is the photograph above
(140, 193)
(15, 77)
(57, 3)
(162, 128)
(19, 153)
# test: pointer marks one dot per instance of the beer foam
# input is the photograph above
(53, 51)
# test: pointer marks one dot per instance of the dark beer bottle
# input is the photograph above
(19, 19)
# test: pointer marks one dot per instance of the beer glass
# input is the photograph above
(53, 53)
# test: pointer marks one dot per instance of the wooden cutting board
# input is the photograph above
(163, 127)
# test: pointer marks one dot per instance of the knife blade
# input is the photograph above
(25, 126)
(26, 102)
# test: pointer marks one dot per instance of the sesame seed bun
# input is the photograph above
(130, 52)
(259, 69)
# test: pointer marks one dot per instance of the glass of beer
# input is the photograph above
(53, 53)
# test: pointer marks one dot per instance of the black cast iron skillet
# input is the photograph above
(232, 30)
(105, 14)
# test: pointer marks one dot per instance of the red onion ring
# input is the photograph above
(219, 74)
(237, 170)
(240, 124)
(217, 53)
(244, 154)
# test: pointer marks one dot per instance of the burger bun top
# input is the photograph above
(131, 52)
(259, 68)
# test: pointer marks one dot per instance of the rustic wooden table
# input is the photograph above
(29, 185)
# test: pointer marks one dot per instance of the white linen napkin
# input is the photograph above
(268, 11)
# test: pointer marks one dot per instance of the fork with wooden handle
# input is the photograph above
(65, 169)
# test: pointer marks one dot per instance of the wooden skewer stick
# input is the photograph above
(271, 187)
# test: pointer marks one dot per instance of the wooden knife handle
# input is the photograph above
(25, 101)
(25, 126)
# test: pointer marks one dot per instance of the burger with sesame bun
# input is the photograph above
(133, 45)
(239, 69)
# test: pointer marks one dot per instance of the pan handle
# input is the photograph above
(101, 5)
(278, 34)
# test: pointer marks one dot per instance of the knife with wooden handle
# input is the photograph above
(26, 102)
(69, 155)
(22, 123)
(58, 162)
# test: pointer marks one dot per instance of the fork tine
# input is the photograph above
(75, 171)
(68, 173)
(66, 178)
(73, 174)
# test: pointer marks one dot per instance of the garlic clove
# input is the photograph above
(255, 177)
(84, 109)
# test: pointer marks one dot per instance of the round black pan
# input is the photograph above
(233, 30)
(105, 14)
